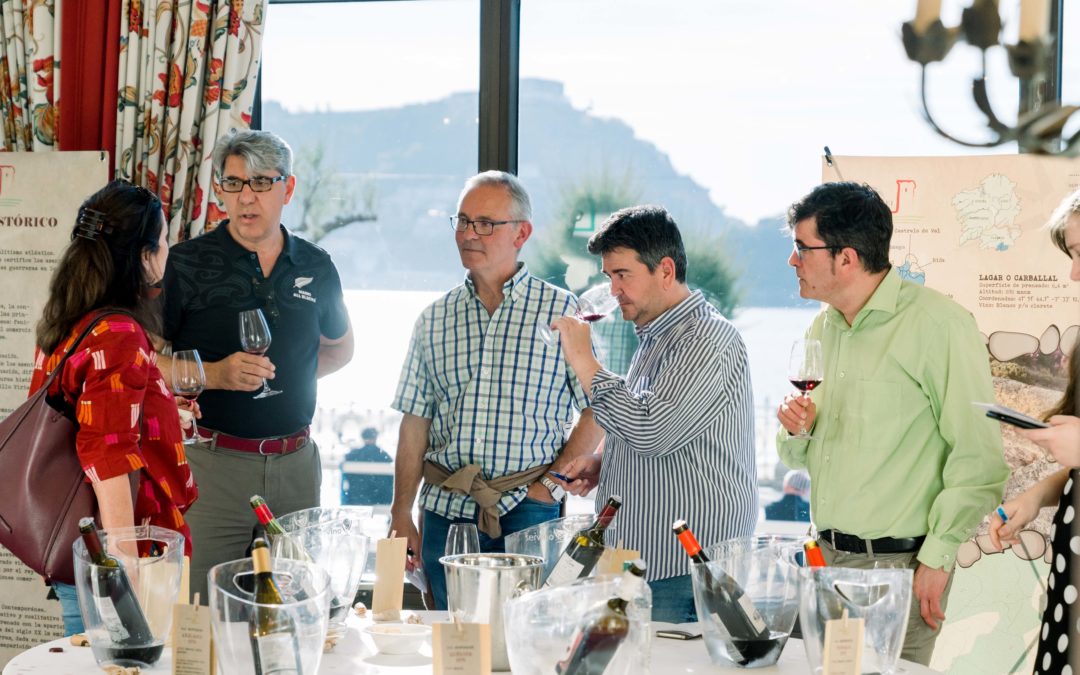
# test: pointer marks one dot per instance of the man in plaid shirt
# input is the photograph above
(488, 406)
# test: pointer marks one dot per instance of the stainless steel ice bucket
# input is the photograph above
(477, 585)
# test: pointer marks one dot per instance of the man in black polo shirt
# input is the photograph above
(247, 445)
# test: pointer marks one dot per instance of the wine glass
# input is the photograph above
(806, 369)
(593, 305)
(462, 538)
(255, 339)
(188, 381)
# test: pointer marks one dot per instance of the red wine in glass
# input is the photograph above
(188, 381)
(805, 386)
(591, 317)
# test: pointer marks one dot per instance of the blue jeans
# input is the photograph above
(69, 608)
(673, 600)
(526, 514)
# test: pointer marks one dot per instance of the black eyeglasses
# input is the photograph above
(257, 184)
(265, 293)
(800, 249)
(480, 227)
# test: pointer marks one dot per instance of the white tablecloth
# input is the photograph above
(356, 655)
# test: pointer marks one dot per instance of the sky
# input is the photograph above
(742, 95)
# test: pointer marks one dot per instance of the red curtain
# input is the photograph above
(90, 52)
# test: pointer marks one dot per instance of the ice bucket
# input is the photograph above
(541, 626)
(549, 539)
(881, 598)
(747, 627)
(477, 585)
(155, 582)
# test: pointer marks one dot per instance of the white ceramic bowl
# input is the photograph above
(398, 638)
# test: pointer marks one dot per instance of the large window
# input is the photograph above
(719, 111)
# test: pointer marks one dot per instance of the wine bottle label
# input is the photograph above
(111, 618)
(277, 655)
(752, 614)
(566, 571)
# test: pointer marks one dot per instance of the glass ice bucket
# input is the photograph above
(478, 584)
(542, 626)
(549, 539)
(747, 627)
(880, 598)
(122, 632)
(305, 589)
(335, 540)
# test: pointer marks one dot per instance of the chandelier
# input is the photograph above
(1032, 60)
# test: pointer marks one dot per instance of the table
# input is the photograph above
(356, 655)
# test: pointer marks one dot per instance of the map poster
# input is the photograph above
(40, 193)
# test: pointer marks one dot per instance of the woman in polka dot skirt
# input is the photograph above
(1060, 632)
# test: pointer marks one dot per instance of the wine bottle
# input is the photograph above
(727, 603)
(595, 645)
(289, 546)
(273, 634)
(814, 556)
(581, 556)
(130, 637)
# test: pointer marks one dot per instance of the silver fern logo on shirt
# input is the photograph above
(298, 289)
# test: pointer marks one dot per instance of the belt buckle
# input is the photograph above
(284, 445)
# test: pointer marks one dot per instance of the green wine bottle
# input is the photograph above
(585, 549)
(273, 632)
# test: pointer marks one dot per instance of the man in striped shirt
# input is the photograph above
(487, 404)
(680, 426)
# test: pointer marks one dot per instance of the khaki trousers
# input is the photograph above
(920, 638)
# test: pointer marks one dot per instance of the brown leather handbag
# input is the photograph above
(45, 491)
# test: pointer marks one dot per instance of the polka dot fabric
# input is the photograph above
(1060, 625)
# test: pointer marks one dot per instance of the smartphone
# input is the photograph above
(677, 634)
(1009, 416)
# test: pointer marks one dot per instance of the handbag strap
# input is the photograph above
(86, 331)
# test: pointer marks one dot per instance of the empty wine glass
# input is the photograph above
(255, 339)
(593, 305)
(188, 381)
(462, 538)
(806, 369)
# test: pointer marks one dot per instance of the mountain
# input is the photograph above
(418, 157)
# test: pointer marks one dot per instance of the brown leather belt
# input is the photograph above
(278, 445)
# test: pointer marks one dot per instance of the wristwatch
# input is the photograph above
(557, 491)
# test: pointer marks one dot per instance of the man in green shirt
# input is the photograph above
(903, 467)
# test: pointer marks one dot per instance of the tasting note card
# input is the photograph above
(612, 559)
(461, 648)
(193, 649)
(842, 654)
(389, 576)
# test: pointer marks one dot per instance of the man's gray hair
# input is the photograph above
(520, 206)
(1069, 207)
(261, 151)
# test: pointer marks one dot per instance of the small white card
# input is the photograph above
(842, 654)
(461, 648)
(389, 589)
(192, 641)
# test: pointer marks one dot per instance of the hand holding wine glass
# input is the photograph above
(188, 381)
(806, 369)
(593, 305)
(255, 339)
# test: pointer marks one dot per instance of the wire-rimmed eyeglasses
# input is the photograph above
(800, 249)
(481, 227)
(257, 184)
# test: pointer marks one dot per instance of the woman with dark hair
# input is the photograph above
(1058, 632)
(128, 419)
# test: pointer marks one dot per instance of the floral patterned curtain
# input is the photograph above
(187, 77)
(30, 73)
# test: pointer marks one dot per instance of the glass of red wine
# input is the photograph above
(806, 369)
(188, 381)
(593, 305)
(255, 339)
